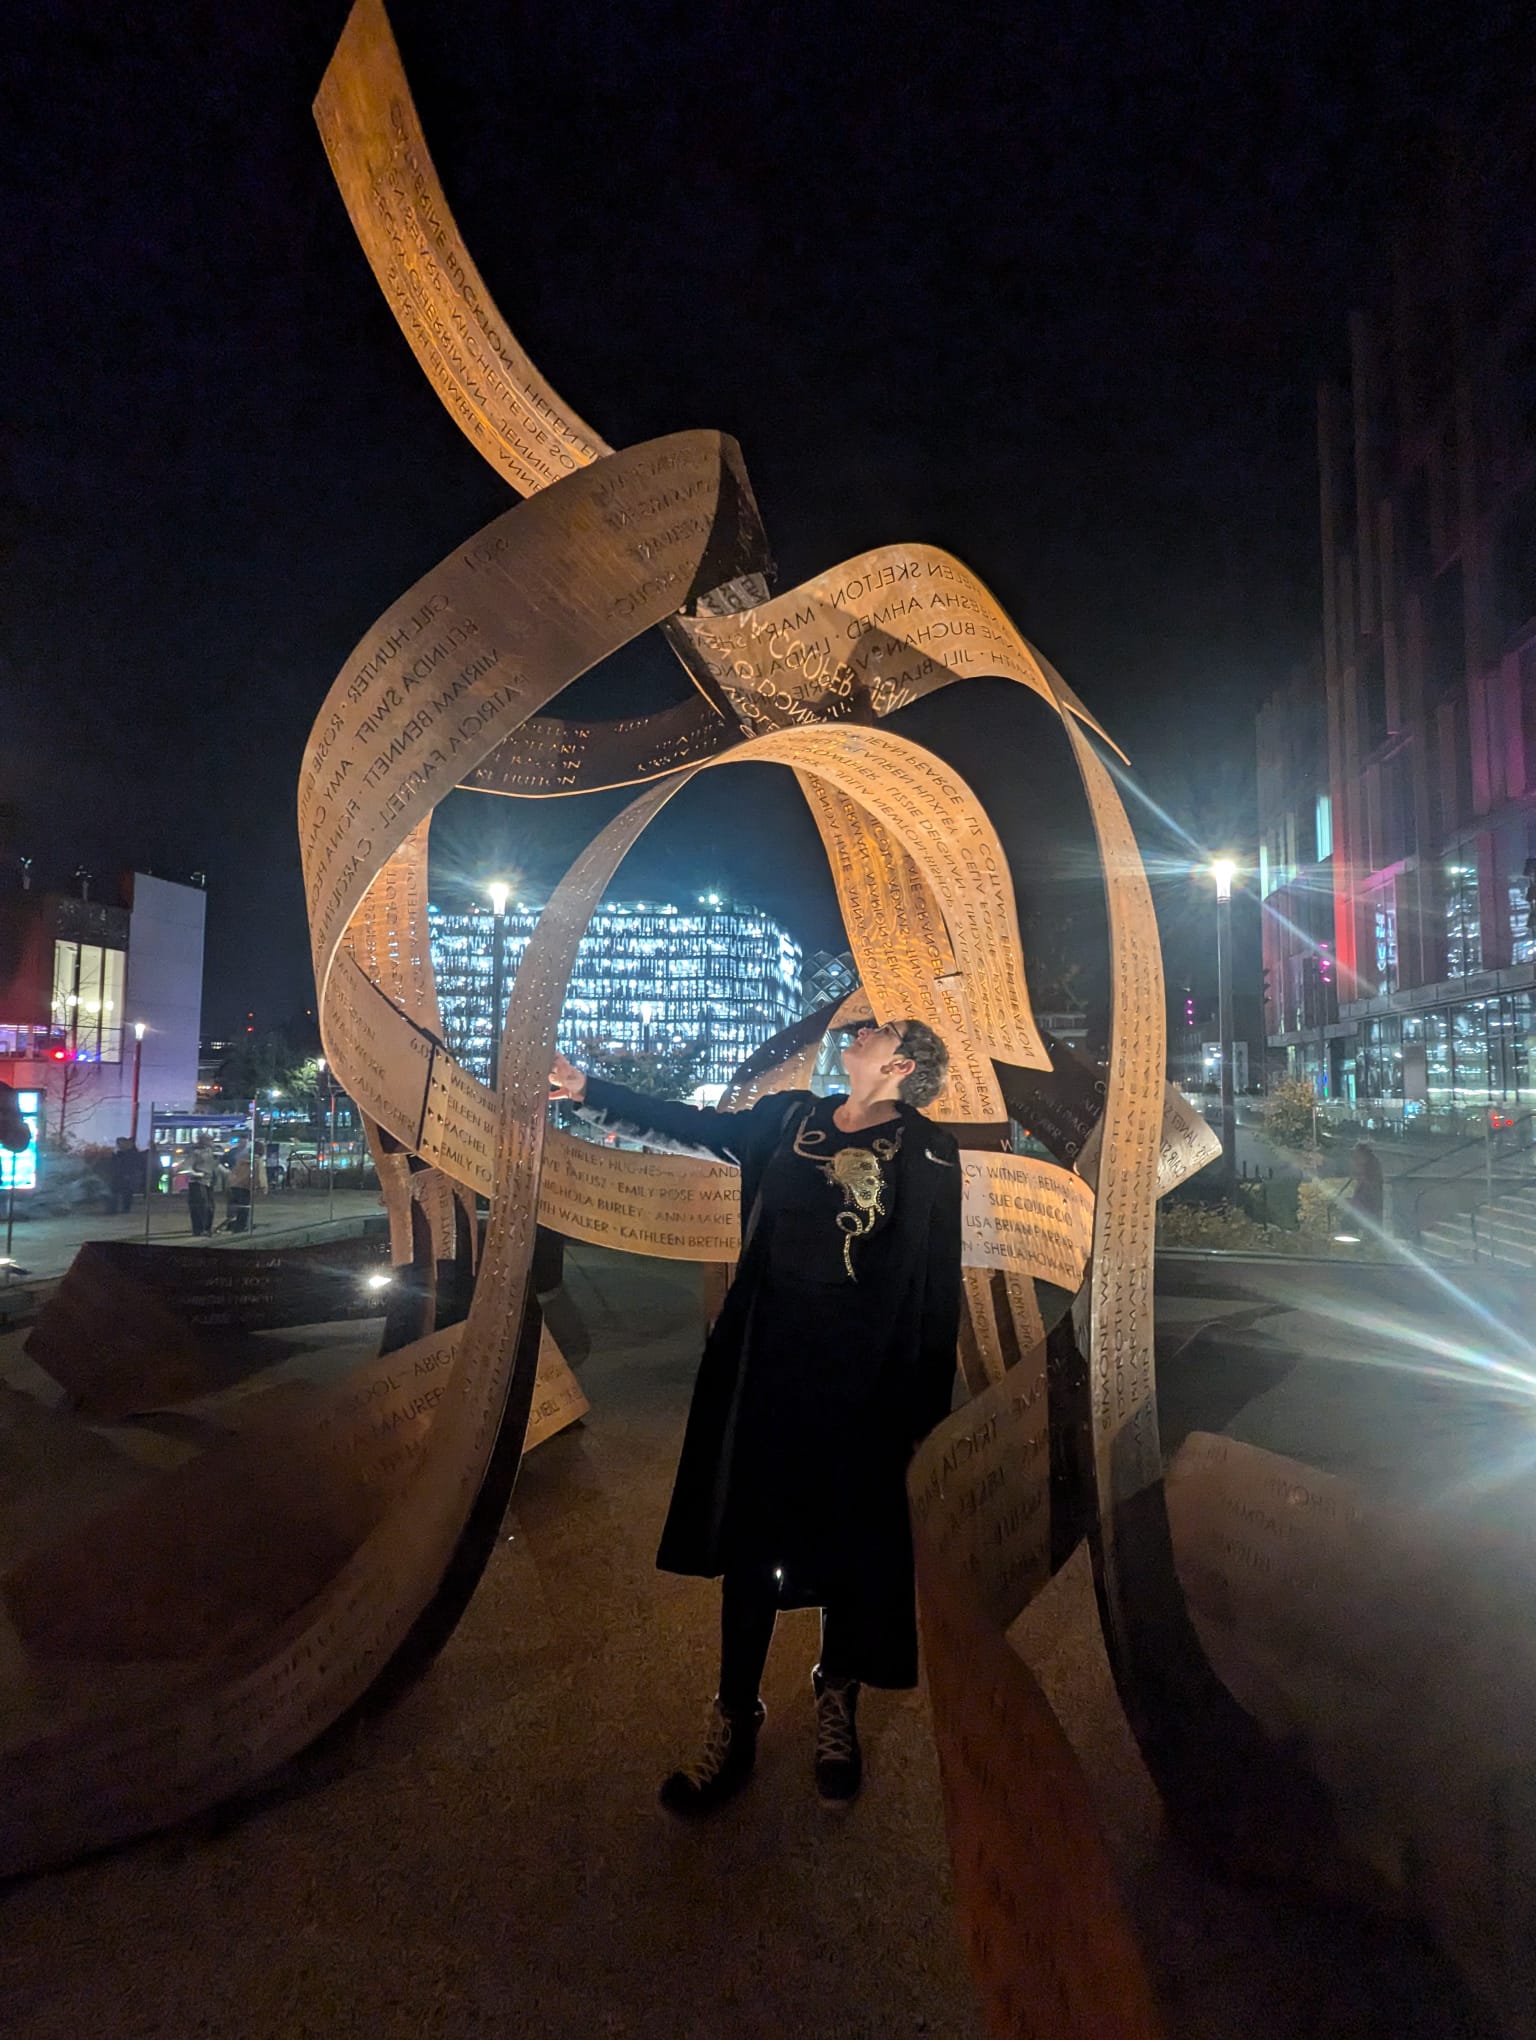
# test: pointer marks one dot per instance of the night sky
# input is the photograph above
(1051, 287)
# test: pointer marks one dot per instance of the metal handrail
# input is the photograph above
(1434, 1175)
(1522, 1180)
(1483, 1204)
(1480, 1141)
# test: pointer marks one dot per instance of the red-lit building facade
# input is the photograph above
(101, 1004)
(1397, 786)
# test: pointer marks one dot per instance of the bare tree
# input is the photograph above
(78, 1096)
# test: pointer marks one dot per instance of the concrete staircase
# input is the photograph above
(1502, 1233)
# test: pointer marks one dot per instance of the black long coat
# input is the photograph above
(911, 1324)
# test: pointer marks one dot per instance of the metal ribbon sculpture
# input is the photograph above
(414, 1459)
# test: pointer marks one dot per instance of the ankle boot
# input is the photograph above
(726, 1765)
(839, 1760)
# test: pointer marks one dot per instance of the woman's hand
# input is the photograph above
(566, 1081)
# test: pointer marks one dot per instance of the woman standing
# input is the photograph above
(832, 1356)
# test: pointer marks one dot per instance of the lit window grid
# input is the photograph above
(643, 977)
(87, 1003)
(1463, 927)
(1386, 949)
(1522, 935)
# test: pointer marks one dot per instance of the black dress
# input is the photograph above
(833, 1354)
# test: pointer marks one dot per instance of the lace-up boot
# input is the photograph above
(725, 1766)
(839, 1761)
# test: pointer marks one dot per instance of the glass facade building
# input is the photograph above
(1397, 783)
(826, 977)
(646, 977)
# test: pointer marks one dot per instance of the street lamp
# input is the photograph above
(1223, 871)
(500, 893)
(138, 1063)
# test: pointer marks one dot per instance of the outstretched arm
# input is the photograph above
(632, 1113)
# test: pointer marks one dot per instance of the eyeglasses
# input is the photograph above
(889, 1028)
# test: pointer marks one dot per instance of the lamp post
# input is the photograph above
(1223, 870)
(499, 892)
(330, 1145)
(138, 1061)
(250, 1224)
(152, 1171)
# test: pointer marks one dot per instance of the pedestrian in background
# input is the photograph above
(126, 1173)
(247, 1180)
(204, 1173)
(1366, 1195)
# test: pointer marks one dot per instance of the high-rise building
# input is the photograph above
(1295, 879)
(646, 977)
(1398, 793)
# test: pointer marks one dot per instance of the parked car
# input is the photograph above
(291, 1162)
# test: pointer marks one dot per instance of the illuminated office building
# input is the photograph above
(1397, 780)
(646, 977)
(101, 1002)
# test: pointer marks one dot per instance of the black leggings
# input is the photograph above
(749, 1607)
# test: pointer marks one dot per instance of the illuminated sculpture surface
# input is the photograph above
(450, 688)
(409, 1458)
(400, 1473)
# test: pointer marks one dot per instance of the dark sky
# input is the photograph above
(1050, 287)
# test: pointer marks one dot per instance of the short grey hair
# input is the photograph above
(919, 1043)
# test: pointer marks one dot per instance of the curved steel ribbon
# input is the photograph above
(548, 757)
(498, 628)
(386, 1487)
(466, 349)
(446, 690)
(865, 639)
(1021, 1215)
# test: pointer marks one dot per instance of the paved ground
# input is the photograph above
(43, 1247)
(488, 1858)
